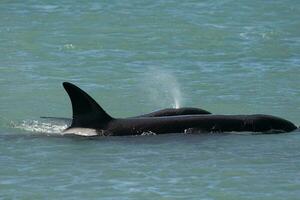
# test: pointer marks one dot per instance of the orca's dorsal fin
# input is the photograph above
(86, 111)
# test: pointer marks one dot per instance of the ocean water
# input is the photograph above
(133, 57)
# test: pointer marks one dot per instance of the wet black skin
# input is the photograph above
(199, 123)
(88, 114)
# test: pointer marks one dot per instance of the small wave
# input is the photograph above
(36, 126)
(53, 127)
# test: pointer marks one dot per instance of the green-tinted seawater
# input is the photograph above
(133, 57)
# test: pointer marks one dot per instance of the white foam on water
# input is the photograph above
(52, 128)
(148, 133)
(36, 126)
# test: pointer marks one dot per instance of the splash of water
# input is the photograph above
(53, 127)
(36, 126)
(163, 88)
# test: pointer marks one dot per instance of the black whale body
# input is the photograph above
(88, 114)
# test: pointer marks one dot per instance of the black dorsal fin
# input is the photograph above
(86, 111)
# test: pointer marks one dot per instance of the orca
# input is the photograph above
(89, 115)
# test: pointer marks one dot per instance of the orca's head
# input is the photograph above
(282, 124)
(272, 124)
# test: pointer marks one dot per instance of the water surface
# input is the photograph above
(133, 57)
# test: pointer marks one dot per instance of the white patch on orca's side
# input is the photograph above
(87, 132)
